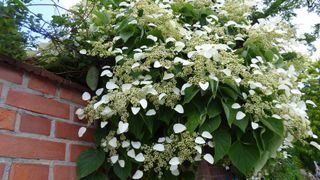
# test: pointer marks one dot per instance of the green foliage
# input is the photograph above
(89, 161)
(285, 169)
(92, 78)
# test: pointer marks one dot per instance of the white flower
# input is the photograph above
(204, 86)
(113, 142)
(106, 72)
(143, 103)
(179, 128)
(170, 39)
(167, 76)
(254, 125)
(121, 163)
(122, 127)
(206, 134)
(179, 46)
(198, 148)
(126, 87)
(136, 144)
(137, 175)
(153, 38)
(200, 140)
(135, 110)
(125, 144)
(315, 144)
(235, 106)
(106, 111)
(179, 109)
(81, 131)
(80, 113)
(161, 139)
(185, 86)
(134, 65)
(227, 72)
(114, 158)
(139, 157)
(99, 91)
(111, 85)
(86, 96)
(103, 124)
(151, 112)
(158, 147)
(206, 50)
(240, 115)
(208, 158)
(83, 51)
(311, 102)
(138, 56)
(157, 64)
(131, 153)
(174, 161)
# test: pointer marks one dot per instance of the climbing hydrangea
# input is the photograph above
(191, 81)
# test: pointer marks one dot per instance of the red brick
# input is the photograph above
(70, 131)
(41, 84)
(28, 172)
(64, 172)
(72, 95)
(38, 104)
(11, 146)
(7, 119)
(75, 150)
(2, 167)
(33, 124)
(1, 89)
(9, 74)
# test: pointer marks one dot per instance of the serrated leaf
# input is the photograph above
(92, 78)
(229, 112)
(213, 109)
(275, 125)
(222, 139)
(122, 173)
(214, 87)
(89, 161)
(210, 124)
(190, 93)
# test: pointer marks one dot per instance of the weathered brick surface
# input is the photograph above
(7, 119)
(29, 172)
(72, 95)
(11, 146)
(33, 124)
(70, 131)
(42, 85)
(8, 73)
(38, 104)
(64, 172)
(75, 150)
(2, 167)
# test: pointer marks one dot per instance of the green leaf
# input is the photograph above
(269, 55)
(166, 115)
(92, 78)
(122, 173)
(214, 87)
(244, 157)
(229, 92)
(127, 33)
(271, 141)
(222, 139)
(136, 127)
(213, 109)
(99, 134)
(275, 125)
(229, 112)
(89, 161)
(210, 124)
(193, 120)
(190, 93)
(242, 124)
(96, 176)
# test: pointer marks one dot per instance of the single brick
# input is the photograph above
(33, 124)
(75, 150)
(42, 85)
(64, 172)
(7, 119)
(72, 95)
(21, 171)
(11, 146)
(38, 104)
(10, 74)
(70, 131)
(2, 167)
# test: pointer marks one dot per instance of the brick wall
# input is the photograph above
(38, 129)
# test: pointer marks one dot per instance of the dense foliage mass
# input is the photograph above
(188, 81)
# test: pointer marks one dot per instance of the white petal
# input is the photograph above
(86, 96)
(99, 91)
(80, 113)
(137, 175)
(111, 85)
(254, 125)
(198, 148)
(179, 46)
(81, 131)
(311, 102)
(179, 128)
(151, 112)
(276, 116)
(157, 64)
(122, 163)
(125, 144)
(161, 139)
(204, 86)
(143, 103)
(184, 87)
(208, 158)
(106, 73)
(138, 56)
(153, 38)
(213, 77)
(103, 124)
(190, 54)
(173, 167)
(118, 58)
(126, 87)
(168, 140)
(227, 72)
(175, 172)
(162, 95)
(113, 142)
(170, 39)
(131, 153)
(210, 144)
(114, 159)
(158, 147)
(200, 140)
(174, 161)
(134, 65)
(139, 157)
(240, 115)
(83, 51)
(136, 144)
(315, 144)
(167, 76)
(296, 91)
(122, 127)
(206, 134)
(179, 108)
(107, 110)
(135, 110)
(235, 106)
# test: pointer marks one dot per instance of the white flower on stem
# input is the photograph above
(81, 131)
(208, 158)
(206, 50)
(83, 51)
(206, 134)
(151, 112)
(174, 161)
(139, 157)
(107, 73)
(179, 46)
(227, 72)
(167, 76)
(158, 147)
(126, 87)
(122, 127)
(131, 153)
(113, 142)
(80, 113)
(157, 64)
(137, 175)
(170, 39)
(99, 91)
(315, 144)
(103, 124)
(107, 111)
(200, 140)
(311, 102)
(161, 96)
(236, 106)
(111, 85)
(153, 38)
(204, 86)
(114, 158)
(143, 103)
(136, 144)
(179, 128)
(185, 86)
(134, 65)
(86, 96)
(135, 110)
(121, 163)
(178, 108)
(240, 115)
(254, 125)
(125, 144)
(198, 148)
